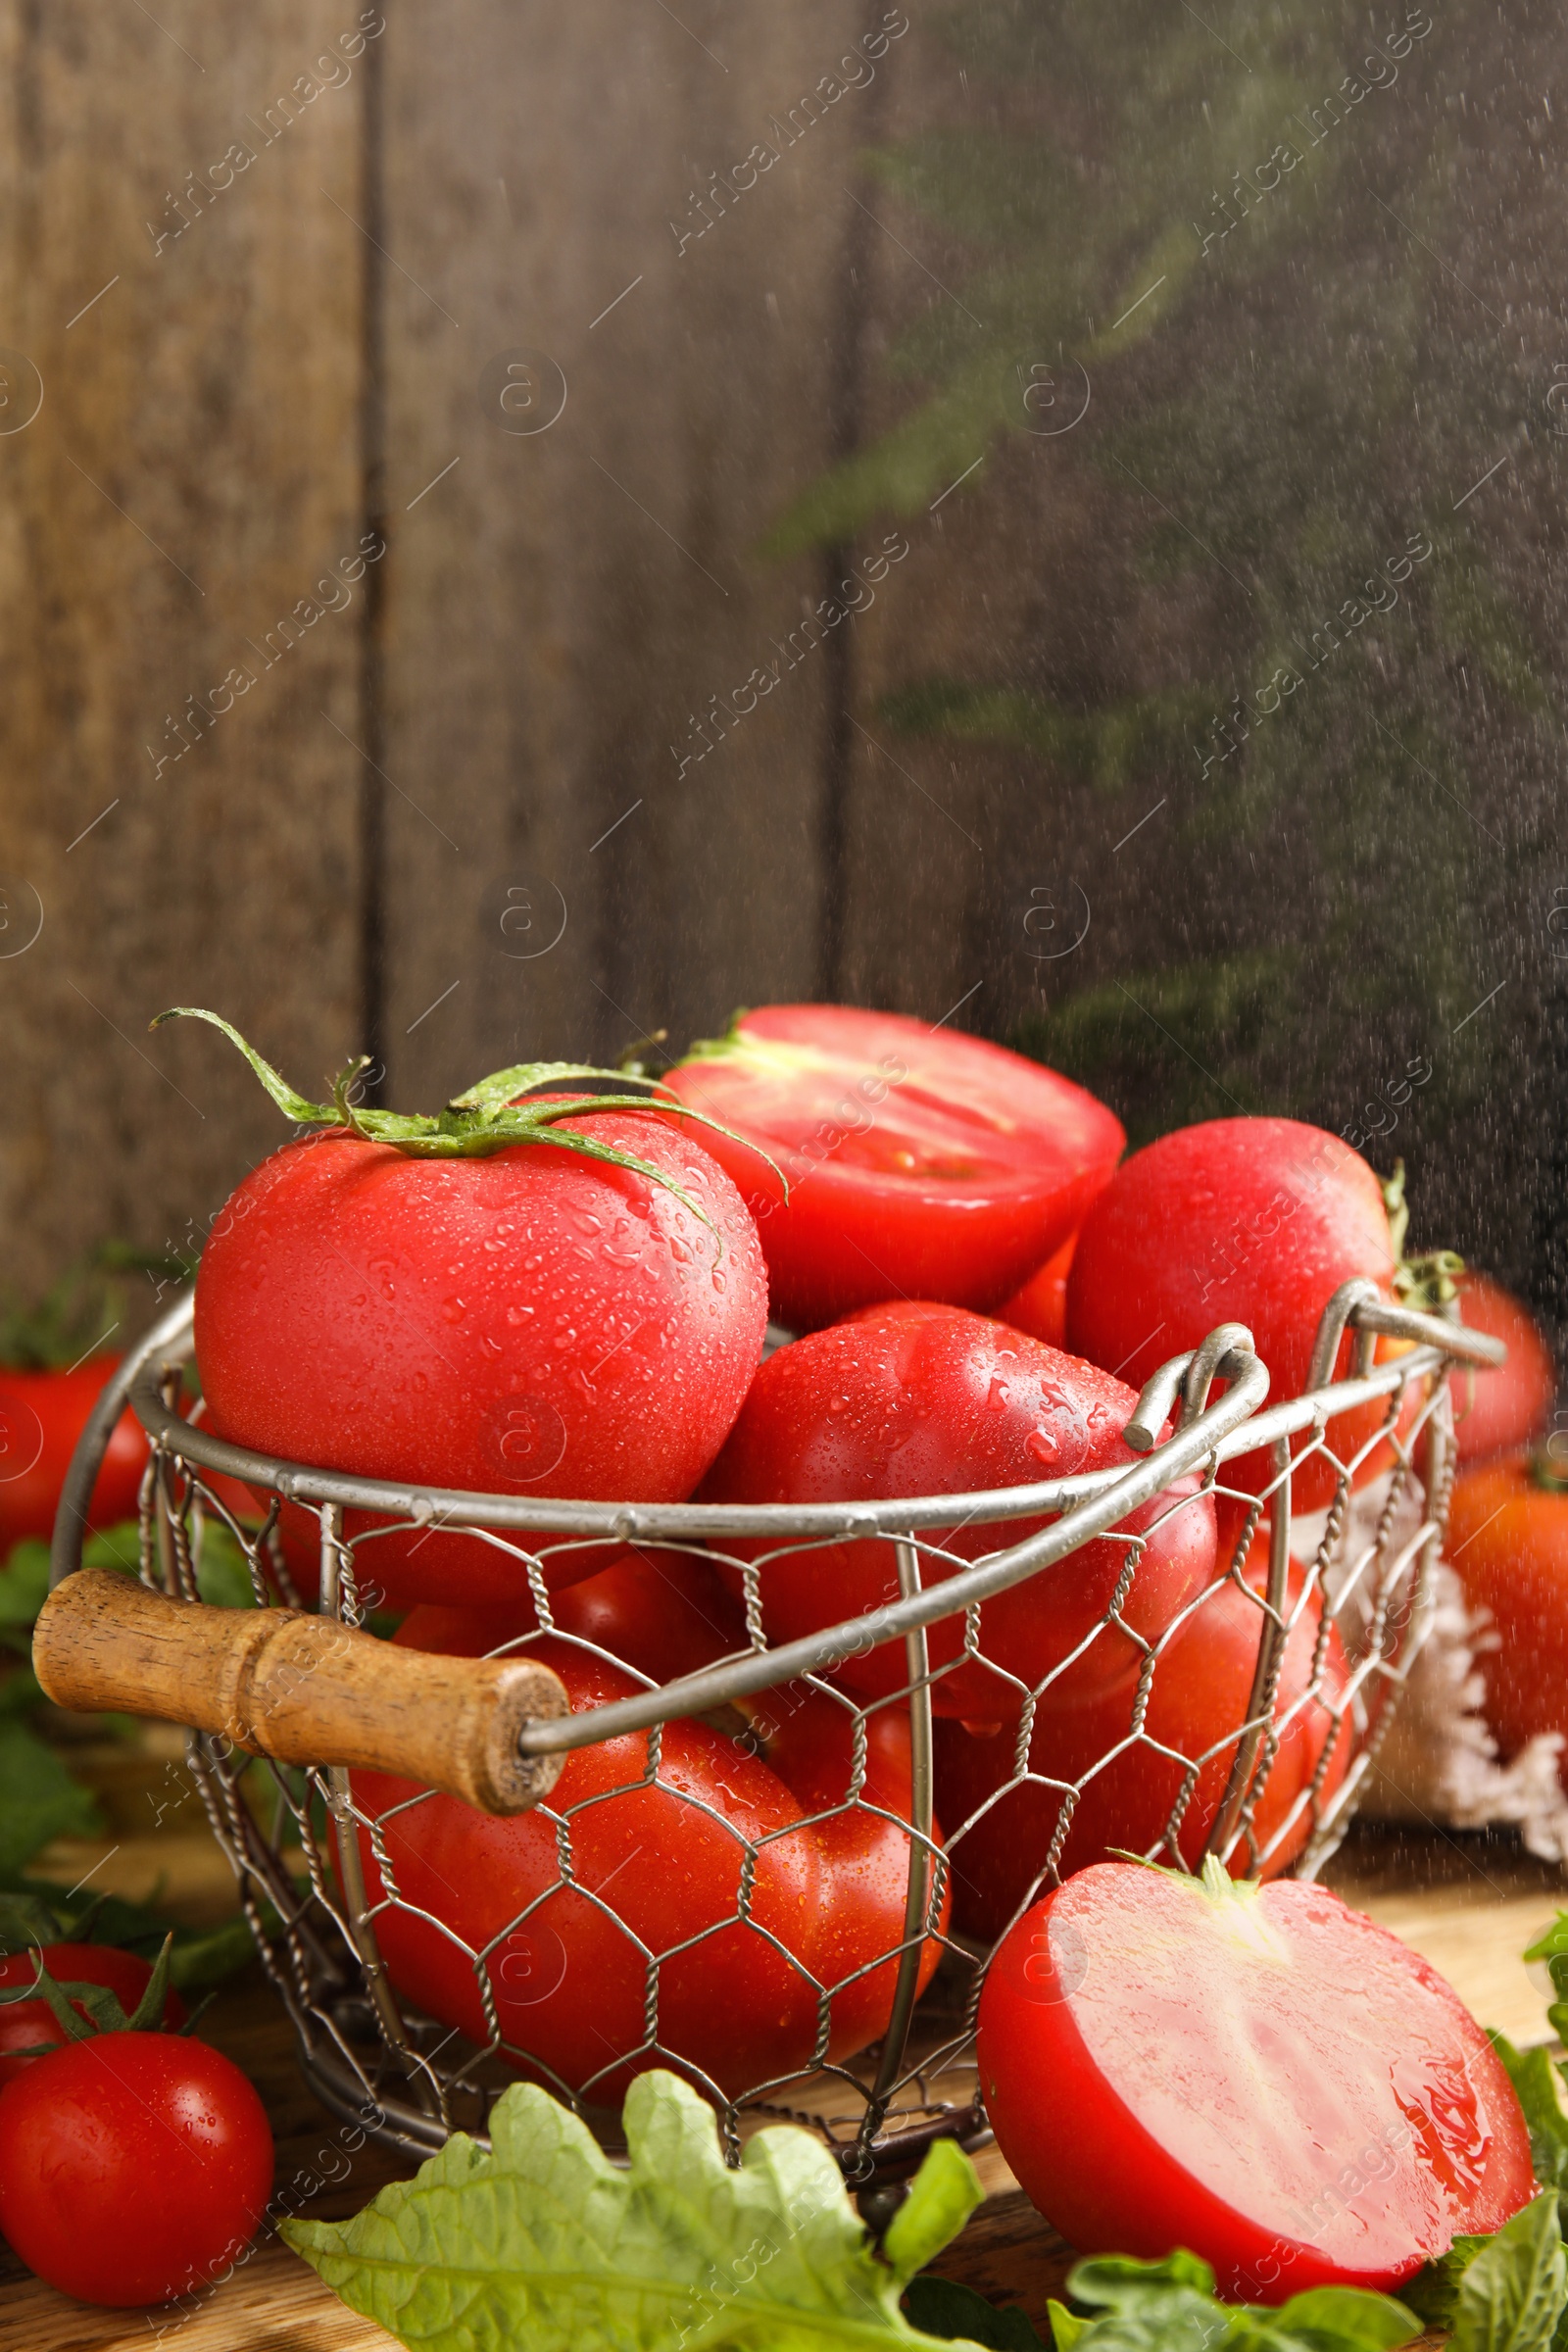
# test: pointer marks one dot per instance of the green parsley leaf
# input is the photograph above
(547, 2243)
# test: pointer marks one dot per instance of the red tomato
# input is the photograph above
(42, 1414)
(1254, 1221)
(133, 2167)
(659, 1861)
(917, 1399)
(919, 1161)
(1507, 1542)
(536, 1322)
(1199, 1695)
(663, 1613)
(26, 2023)
(1495, 1411)
(1256, 2072)
(1041, 1307)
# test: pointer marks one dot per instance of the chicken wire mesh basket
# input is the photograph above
(784, 1874)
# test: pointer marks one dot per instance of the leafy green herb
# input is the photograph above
(1534, 2079)
(942, 2307)
(34, 1912)
(545, 2242)
(1552, 1947)
(40, 1800)
(1514, 2286)
(1170, 2306)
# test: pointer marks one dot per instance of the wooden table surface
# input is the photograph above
(1469, 1904)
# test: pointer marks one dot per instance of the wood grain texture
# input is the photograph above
(299, 1689)
(193, 473)
(561, 603)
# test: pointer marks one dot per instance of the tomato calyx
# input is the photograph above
(487, 1118)
(1428, 1282)
(67, 1998)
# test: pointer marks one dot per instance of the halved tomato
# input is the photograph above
(920, 1163)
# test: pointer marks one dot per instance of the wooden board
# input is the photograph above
(192, 474)
(1467, 1904)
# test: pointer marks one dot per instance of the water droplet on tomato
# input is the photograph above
(1041, 1445)
(998, 1397)
(586, 1222)
(719, 1280)
(454, 1309)
(838, 1404)
(518, 1314)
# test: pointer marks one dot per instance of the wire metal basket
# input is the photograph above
(409, 2028)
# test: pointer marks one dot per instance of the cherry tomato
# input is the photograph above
(1494, 1411)
(1198, 1697)
(1041, 1307)
(536, 1322)
(1507, 1542)
(1253, 1221)
(917, 1399)
(919, 1161)
(23, 2025)
(133, 2167)
(42, 1414)
(657, 1864)
(1256, 2072)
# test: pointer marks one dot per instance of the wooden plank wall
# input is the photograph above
(297, 359)
(270, 270)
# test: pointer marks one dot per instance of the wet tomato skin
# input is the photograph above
(534, 1323)
(133, 2167)
(1248, 1220)
(665, 1859)
(1199, 1694)
(1041, 1307)
(1267, 2078)
(918, 1397)
(26, 2023)
(920, 1161)
(1507, 1542)
(42, 1414)
(1496, 1411)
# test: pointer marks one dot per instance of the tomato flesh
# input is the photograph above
(1250, 1220)
(922, 1399)
(532, 1323)
(24, 2025)
(1264, 2077)
(919, 1161)
(133, 2167)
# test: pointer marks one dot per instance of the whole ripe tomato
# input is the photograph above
(533, 1322)
(1507, 1542)
(664, 1614)
(133, 2167)
(1256, 2072)
(656, 1861)
(24, 2025)
(915, 1399)
(1041, 1307)
(919, 1161)
(1198, 1696)
(1494, 1411)
(1255, 1222)
(42, 1414)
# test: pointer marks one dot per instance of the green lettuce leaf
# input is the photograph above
(942, 2307)
(545, 2242)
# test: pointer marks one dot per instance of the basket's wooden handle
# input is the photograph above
(300, 1689)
